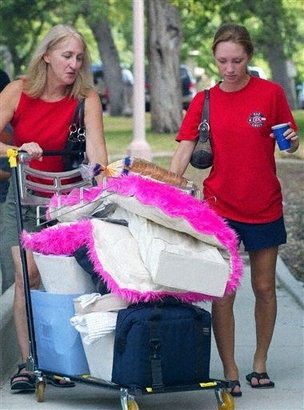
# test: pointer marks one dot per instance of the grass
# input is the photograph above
(299, 117)
(119, 135)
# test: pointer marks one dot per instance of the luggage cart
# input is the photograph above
(29, 192)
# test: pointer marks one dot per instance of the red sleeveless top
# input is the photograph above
(46, 123)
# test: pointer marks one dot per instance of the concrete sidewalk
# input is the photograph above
(285, 366)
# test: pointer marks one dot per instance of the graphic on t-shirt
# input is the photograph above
(256, 119)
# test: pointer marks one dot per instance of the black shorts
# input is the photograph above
(260, 236)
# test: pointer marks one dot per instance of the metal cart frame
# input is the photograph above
(24, 190)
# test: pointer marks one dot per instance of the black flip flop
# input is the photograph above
(232, 384)
(59, 381)
(259, 376)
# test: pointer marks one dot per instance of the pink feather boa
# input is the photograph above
(66, 239)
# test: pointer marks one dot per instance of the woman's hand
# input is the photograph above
(33, 149)
(292, 136)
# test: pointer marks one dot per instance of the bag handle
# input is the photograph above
(204, 126)
(77, 128)
(78, 118)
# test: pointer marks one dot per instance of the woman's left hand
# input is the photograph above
(291, 135)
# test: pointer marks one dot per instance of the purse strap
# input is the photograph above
(78, 118)
(204, 126)
(77, 128)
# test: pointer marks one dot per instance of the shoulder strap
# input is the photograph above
(78, 118)
(204, 126)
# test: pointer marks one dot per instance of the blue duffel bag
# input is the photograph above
(160, 345)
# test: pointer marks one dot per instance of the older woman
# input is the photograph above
(40, 106)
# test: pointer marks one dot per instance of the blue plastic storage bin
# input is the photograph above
(58, 344)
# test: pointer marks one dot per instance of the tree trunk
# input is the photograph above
(272, 43)
(165, 35)
(279, 71)
(110, 64)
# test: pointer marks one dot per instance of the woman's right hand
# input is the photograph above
(33, 149)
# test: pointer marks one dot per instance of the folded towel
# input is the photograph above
(87, 299)
(94, 325)
(95, 302)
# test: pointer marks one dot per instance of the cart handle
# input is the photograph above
(25, 158)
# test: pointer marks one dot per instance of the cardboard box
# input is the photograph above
(100, 354)
(204, 272)
(100, 357)
(62, 274)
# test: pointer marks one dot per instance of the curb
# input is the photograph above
(9, 352)
(288, 281)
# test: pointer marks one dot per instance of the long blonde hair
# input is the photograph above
(37, 69)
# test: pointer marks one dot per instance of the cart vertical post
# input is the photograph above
(32, 359)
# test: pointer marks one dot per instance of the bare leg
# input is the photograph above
(21, 320)
(263, 264)
(19, 301)
(223, 328)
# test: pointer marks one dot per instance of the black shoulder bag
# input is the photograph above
(202, 156)
(75, 147)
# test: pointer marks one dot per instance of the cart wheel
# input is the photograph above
(132, 405)
(228, 402)
(40, 390)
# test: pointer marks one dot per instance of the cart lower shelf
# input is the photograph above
(225, 400)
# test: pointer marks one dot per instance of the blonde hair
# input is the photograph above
(236, 33)
(36, 74)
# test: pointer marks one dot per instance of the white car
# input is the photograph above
(257, 72)
(300, 89)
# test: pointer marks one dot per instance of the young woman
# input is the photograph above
(242, 185)
(40, 107)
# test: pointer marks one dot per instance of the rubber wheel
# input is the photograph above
(132, 405)
(228, 402)
(40, 390)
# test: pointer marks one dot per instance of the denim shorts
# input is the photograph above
(29, 219)
(260, 236)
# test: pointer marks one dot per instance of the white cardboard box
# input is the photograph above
(204, 272)
(100, 356)
(62, 274)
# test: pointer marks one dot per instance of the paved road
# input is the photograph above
(285, 366)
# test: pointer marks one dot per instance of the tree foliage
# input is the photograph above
(277, 29)
(22, 22)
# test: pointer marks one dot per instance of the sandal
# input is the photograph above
(23, 381)
(259, 376)
(59, 381)
(232, 384)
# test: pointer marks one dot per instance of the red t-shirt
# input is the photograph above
(46, 123)
(242, 184)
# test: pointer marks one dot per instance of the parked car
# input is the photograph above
(300, 89)
(257, 71)
(100, 84)
(188, 88)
